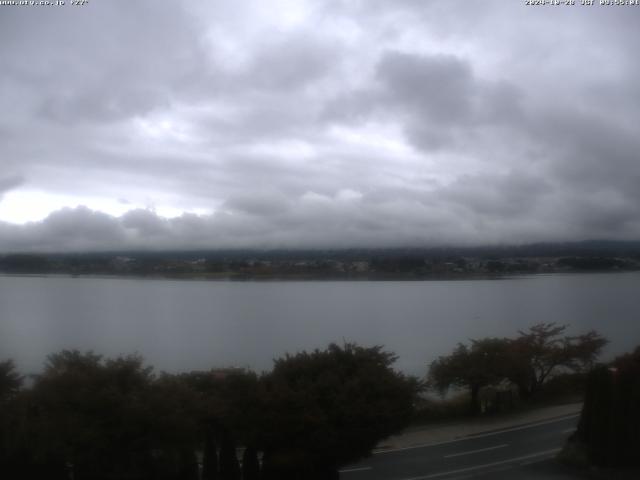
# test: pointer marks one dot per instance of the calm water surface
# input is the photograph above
(183, 325)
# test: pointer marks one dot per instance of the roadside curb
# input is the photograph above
(522, 425)
(516, 425)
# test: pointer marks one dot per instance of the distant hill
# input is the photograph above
(339, 263)
(583, 248)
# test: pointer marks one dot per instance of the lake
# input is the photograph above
(184, 325)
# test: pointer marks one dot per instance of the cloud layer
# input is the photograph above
(316, 124)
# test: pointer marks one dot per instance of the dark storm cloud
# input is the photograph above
(507, 196)
(439, 87)
(144, 223)
(301, 124)
(64, 230)
(436, 97)
(259, 203)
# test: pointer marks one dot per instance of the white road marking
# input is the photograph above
(479, 435)
(568, 430)
(503, 468)
(358, 469)
(487, 465)
(476, 451)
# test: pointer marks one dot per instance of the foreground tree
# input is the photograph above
(10, 380)
(528, 361)
(476, 366)
(88, 413)
(91, 418)
(543, 350)
(228, 410)
(250, 464)
(100, 418)
(11, 418)
(171, 417)
(609, 430)
(330, 407)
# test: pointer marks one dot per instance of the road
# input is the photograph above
(522, 452)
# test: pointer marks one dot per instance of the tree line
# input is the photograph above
(526, 362)
(89, 417)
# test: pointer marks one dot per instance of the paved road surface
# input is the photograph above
(522, 452)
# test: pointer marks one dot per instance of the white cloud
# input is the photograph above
(317, 124)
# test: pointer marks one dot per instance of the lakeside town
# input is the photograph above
(364, 264)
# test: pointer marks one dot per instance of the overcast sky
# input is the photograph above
(330, 123)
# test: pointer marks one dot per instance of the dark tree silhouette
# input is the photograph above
(473, 367)
(229, 466)
(528, 361)
(330, 407)
(10, 380)
(209, 457)
(250, 464)
(543, 350)
(229, 406)
(112, 419)
(93, 418)
(13, 436)
(609, 427)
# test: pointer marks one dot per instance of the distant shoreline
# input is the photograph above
(308, 278)
(383, 265)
